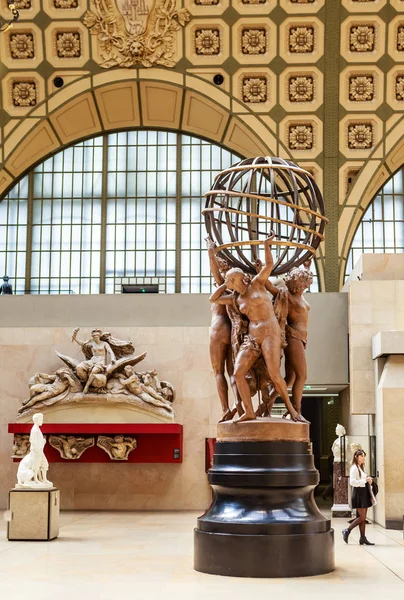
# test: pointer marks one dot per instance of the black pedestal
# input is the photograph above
(263, 521)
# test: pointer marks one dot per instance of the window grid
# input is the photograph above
(13, 234)
(382, 226)
(121, 205)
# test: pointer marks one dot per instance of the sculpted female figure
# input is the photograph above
(220, 341)
(264, 334)
(96, 352)
(297, 281)
(34, 466)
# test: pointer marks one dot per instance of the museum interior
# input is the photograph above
(201, 314)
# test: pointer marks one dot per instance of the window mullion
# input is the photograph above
(30, 209)
(103, 249)
(178, 217)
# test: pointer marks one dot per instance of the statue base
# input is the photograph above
(35, 514)
(263, 521)
(341, 511)
(34, 486)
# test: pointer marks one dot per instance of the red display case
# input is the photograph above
(156, 443)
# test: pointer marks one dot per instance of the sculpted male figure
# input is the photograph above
(97, 350)
(220, 338)
(297, 281)
(264, 334)
(133, 384)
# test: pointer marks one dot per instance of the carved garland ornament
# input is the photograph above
(135, 32)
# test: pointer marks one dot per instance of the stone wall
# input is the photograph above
(174, 330)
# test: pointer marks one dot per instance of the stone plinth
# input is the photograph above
(263, 521)
(263, 430)
(34, 514)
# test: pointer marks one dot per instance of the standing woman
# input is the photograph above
(361, 499)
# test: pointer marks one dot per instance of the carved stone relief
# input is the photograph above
(360, 136)
(400, 88)
(301, 40)
(301, 88)
(65, 4)
(253, 41)
(136, 32)
(22, 45)
(301, 137)
(21, 445)
(207, 42)
(118, 447)
(361, 88)
(255, 89)
(71, 447)
(362, 38)
(68, 44)
(24, 93)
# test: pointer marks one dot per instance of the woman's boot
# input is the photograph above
(364, 541)
(345, 534)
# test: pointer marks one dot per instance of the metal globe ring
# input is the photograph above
(258, 195)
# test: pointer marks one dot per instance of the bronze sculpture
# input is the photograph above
(263, 520)
(264, 334)
(272, 199)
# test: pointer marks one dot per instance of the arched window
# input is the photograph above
(117, 209)
(382, 226)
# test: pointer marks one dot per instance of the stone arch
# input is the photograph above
(121, 100)
(153, 99)
(373, 175)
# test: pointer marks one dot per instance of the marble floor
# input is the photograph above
(148, 556)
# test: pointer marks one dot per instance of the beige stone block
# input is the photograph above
(382, 267)
(77, 119)
(393, 441)
(161, 104)
(361, 359)
(362, 402)
(32, 147)
(363, 381)
(5, 180)
(243, 140)
(395, 506)
(384, 294)
(394, 475)
(385, 317)
(361, 335)
(360, 292)
(204, 117)
(388, 342)
(123, 95)
(35, 515)
(361, 314)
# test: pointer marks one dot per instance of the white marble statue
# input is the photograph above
(336, 447)
(32, 469)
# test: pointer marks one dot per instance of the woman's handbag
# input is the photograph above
(371, 494)
(375, 488)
